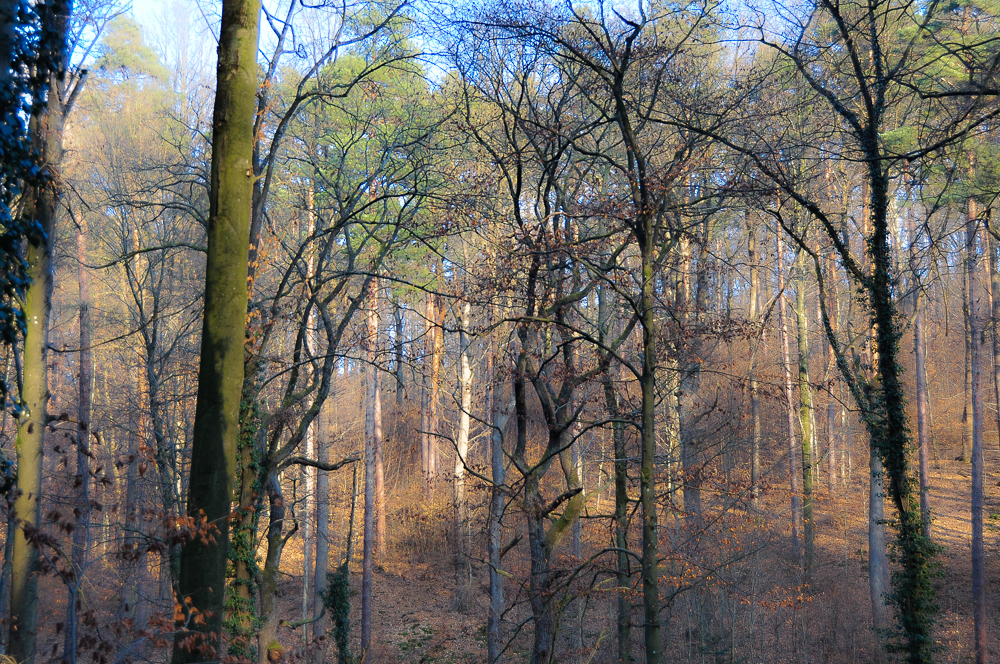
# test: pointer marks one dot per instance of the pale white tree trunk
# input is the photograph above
(793, 456)
(462, 448)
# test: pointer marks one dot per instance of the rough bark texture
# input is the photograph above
(498, 419)
(975, 356)
(47, 132)
(81, 534)
(373, 441)
(322, 565)
(220, 379)
(806, 415)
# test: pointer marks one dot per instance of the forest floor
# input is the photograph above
(421, 614)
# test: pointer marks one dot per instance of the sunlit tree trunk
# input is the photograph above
(373, 436)
(220, 379)
(793, 453)
(462, 448)
(755, 430)
(806, 415)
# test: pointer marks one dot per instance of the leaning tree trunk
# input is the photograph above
(220, 378)
(47, 137)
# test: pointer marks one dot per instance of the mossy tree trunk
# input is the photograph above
(47, 130)
(220, 381)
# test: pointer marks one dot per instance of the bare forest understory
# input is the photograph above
(758, 609)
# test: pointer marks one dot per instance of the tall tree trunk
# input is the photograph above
(967, 422)
(268, 633)
(373, 435)
(993, 265)
(647, 468)
(806, 415)
(978, 561)
(923, 405)
(322, 564)
(434, 398)
(377, 413)
(81, 533)
(620, 542)
(754, 383)
(462, 559)
(220, 378)
(499, 412)
(47, 130)
(793, 454)
(426, 439)
(397, 315)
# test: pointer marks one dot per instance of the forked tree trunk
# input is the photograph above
(220, 377)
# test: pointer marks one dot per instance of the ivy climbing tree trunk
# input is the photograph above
(47, 130)
(220, 379)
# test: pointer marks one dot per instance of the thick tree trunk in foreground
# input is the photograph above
(220, 377)
(47, 132)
